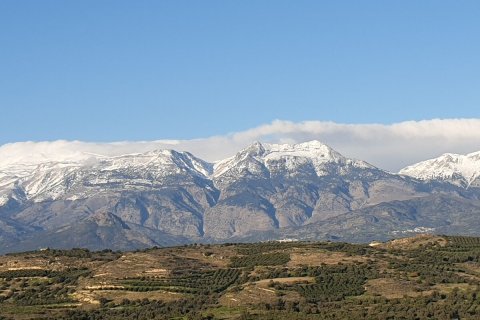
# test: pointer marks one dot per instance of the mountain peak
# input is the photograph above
(459, 169)
(292, 156)
(310, 149)
(255, 149)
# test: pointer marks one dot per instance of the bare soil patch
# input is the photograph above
(393, 289)
(317, 258)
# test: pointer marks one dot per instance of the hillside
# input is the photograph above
(423, 277)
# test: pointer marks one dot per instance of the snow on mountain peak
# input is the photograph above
(49, 179)
(294, 155)
(47, 175)
(456, 168)
(23, 157)
(312, 149)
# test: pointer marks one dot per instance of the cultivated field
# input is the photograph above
(413, 278)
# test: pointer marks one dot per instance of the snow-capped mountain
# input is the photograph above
(282, 185)
(462, 170)
(291, 157)
(164, 196)
(80, 177)
(74, 177)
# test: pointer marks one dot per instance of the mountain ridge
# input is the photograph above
(165, 196)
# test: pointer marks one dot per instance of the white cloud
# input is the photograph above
(390, 147)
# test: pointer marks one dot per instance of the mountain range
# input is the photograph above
(266, 191)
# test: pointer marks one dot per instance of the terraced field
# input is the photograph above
(426, 277)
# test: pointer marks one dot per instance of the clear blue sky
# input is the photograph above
(141, 70)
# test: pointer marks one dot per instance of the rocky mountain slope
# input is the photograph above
(266, 191)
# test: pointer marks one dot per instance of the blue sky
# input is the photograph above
(143, 70)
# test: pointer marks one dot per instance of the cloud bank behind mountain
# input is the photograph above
(388, 146)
